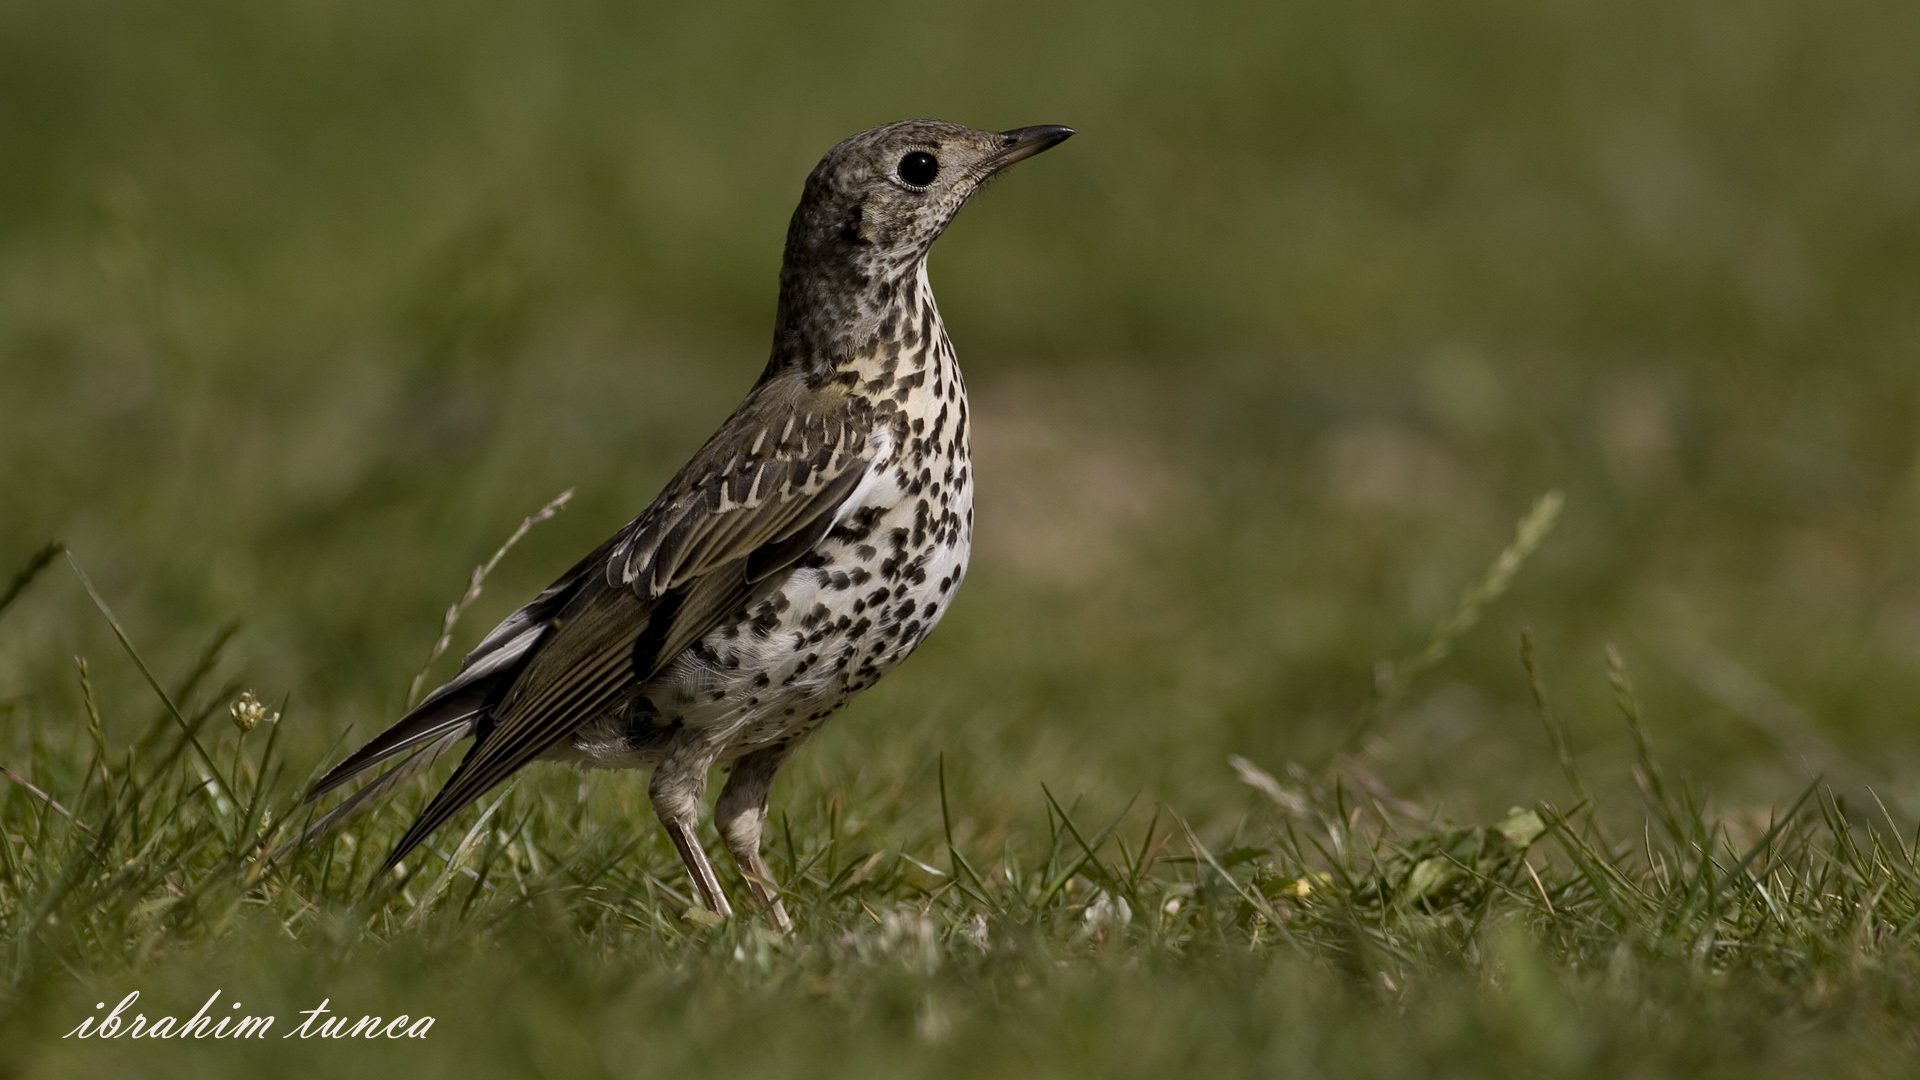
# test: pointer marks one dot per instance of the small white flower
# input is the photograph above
(248, 712)
(1107, 911)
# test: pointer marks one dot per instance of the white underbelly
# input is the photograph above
(812, 637)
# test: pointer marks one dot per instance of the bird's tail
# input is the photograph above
(381, 786)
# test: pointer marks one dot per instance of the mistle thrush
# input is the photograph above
(806, 549)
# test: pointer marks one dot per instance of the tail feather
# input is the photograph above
(397, 740)
(379, 788)
(455, 706)
(457, 709)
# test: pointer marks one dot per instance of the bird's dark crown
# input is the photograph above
(869, 214)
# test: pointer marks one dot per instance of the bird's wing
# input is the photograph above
(781, 467)
(757, 497)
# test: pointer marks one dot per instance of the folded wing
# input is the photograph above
(755, 499)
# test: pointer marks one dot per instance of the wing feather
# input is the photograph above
(751, 502)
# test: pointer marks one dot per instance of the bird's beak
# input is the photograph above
(1022, 143)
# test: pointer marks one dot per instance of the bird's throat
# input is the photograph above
(836, 326)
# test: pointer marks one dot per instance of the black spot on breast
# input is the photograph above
(765, 621)
(857, 527)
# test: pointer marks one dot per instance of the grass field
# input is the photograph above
(1446, 598)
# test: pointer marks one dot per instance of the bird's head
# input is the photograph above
(883, 196)
(871, 210)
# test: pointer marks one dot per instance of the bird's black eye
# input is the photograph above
(919, 168)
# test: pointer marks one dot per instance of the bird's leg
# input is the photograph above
(675, 791)
(705, 881)
(741, 813)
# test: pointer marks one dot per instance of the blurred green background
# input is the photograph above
(304, 306)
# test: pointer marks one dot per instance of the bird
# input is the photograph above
(805, 550)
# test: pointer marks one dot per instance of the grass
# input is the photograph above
(301, 312)
(1543, 942)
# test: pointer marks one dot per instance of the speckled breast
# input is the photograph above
(828, 628)
(815, 635)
